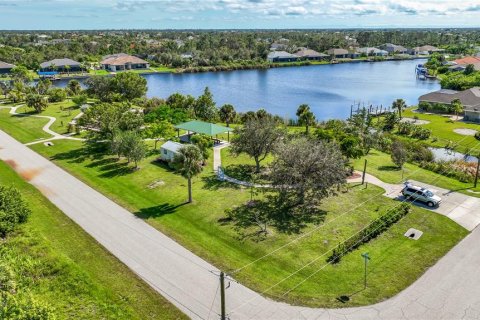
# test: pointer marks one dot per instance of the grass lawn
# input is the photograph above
(442, 128)
(63, 111)
(24, 129)
(200, 227)
(380, 165)
(163, 69)
(100, 72)
(58, 263)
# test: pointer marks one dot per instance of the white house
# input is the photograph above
(168, 150)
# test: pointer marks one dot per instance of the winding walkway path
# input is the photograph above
(45, 128)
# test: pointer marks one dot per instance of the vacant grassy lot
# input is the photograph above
(24, 129)
(63, 111)
(442, 128)
(201, 228)
(58, 263)
(380, 165)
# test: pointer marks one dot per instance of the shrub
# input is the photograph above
(457, 169)
(373, 230)
(477, 135)
(56, 95)
(13, 307)
(13, 210)
(421, 133)
(405, 128)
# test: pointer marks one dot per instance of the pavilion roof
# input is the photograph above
(207, 128)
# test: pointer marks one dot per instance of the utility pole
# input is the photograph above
(366, 258)
(476, 174)
(222, 295)
(364, 171)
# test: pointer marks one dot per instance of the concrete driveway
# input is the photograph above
(448, 290)
(461, 208)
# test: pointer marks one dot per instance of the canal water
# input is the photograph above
(330, 90)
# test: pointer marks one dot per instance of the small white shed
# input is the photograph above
(168, 150)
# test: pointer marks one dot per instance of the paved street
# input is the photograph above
(449, 290)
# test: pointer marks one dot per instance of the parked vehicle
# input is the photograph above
(416, 193)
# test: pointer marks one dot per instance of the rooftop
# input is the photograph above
(59, 63)
(4, 65)
(122, 59)
(281, 54)
(171, 146)
(207, 128)
(469, 98)
(309, 53)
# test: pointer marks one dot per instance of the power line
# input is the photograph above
(320, 226)
(316, 259)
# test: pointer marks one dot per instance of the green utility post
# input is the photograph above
(366, 258)
(222, 295)
(364, 171)
(476, 174)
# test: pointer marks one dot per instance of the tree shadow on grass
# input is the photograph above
(253, 218)
(73, 156)
(389, 168)
(212, 183)
(116, 169)
(158, 211)
(241, 172)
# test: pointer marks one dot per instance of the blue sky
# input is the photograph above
(243, 14)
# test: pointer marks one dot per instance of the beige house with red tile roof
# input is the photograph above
(468, 60)
(122, 61)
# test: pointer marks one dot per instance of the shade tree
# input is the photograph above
(257, 138)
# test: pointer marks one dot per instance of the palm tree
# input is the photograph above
(399, 104)
(227, 114)
(188, 162)
(305, 116)
(457, 107)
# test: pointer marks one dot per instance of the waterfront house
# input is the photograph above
(309, 54)
(60, 65)
(372, 52)
(393, 48)
(122, 61)
(281, 56)
(168, 150)
(469, 98)
(464, 62)
(6, 67)
(425, 50)
(338, 53)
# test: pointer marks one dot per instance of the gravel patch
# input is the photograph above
(465, 132)
(415, 121)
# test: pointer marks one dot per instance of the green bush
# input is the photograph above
(13, 210)
(373, 230)
(56, 95)
(459, 170)
(14, 307)
(477, 135)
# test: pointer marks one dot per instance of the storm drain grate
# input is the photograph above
(413, 234)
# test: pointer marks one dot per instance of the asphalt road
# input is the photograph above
(449, 290)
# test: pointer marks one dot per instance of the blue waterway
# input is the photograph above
(328, 89)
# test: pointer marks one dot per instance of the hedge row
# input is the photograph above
(374, 229)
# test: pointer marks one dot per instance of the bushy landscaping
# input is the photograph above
(51, 269)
